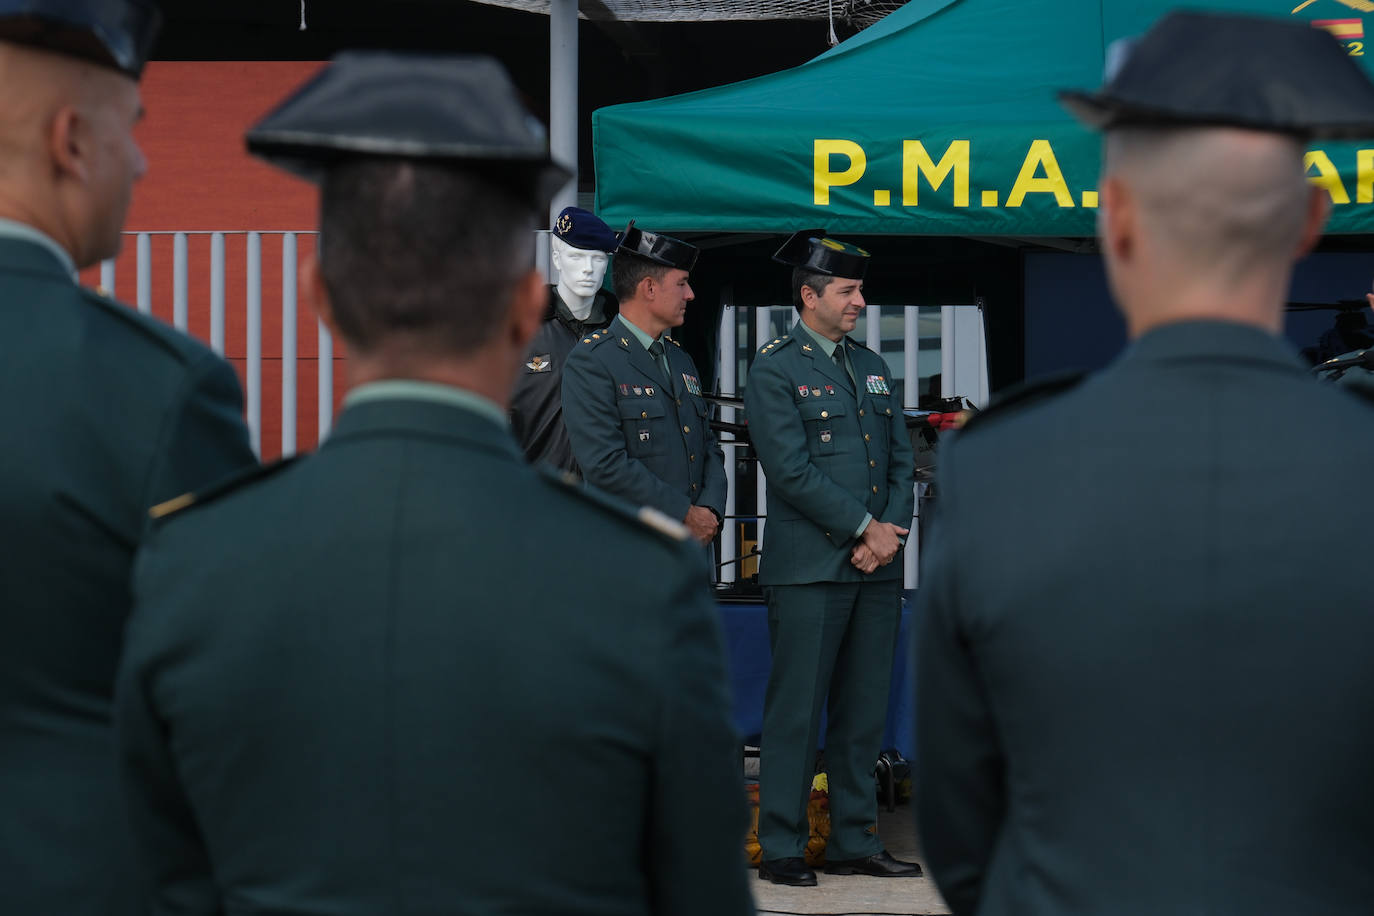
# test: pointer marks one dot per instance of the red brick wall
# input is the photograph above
(200, 178)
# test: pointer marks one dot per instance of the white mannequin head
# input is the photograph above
(580, 272)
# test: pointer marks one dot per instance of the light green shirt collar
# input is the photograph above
(411, 389)
(826, 344)
(10, 229)
(640, 335)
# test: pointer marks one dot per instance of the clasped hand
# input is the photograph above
(877, 546)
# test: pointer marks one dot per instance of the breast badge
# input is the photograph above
(693, 384)
(540, 364)
(803, 390)
(876, 384)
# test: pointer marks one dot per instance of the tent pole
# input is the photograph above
(563, 97)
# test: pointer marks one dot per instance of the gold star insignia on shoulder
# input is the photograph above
(675, 343)
(586, 340)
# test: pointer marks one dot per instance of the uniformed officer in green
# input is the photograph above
(375, 679)
(1143, 664)
(105, 413)
(831, 437)
(632, 398)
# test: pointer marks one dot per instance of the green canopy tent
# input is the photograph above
(939, 120)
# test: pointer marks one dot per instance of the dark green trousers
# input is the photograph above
(834, 639)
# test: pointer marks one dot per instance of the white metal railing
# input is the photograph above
(253, 315)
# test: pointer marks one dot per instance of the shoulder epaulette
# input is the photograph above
(673, 340)
(647, 517)
(1024, 395)
(777, 343)
(228, 485)
(603, 335)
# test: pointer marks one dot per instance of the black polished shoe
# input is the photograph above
(879, 865)
(791, 871)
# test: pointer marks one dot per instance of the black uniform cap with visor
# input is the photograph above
(453, 109)
(118, 34)
(813, 250)
(661, 249)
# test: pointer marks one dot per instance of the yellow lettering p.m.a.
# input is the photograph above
(825, 178)
(917, 162)
(1040, 157)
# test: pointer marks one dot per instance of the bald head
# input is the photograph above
(67, 156)
(1208, 219)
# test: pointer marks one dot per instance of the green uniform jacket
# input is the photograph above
(386, 679)
(105, 412)
(1144, 679)
(830, 458)
(646, 443)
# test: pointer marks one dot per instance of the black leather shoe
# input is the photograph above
(880, 865)
(791, 871)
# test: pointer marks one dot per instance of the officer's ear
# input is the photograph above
(1318, 209)
(310, 280)
(68, 143)
(1116, 219)
(808, 297)
(647, 287)
(528, 303)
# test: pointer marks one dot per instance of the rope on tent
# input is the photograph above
(302, 15)
(833, 39)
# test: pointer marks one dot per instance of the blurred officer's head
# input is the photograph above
(433, 178)
(1203, 203)
(68, 160)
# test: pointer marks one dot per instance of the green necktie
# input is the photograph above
(656, 351)
(837, 355)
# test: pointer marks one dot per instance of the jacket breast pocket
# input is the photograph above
(645, 426)
(822, 418)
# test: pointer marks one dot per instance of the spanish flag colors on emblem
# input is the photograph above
(1344, 29)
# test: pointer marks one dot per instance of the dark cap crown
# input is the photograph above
(813, 250)
(1225, 70)
(112, 33)
(459, 109)
(661, 249)
(584, 229)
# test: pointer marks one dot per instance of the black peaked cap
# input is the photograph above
(1214, 69)
(458, 109)
(813, 250)
(112, 33)
(661, 249)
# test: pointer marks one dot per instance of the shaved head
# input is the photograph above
(1219, 213)
(68, 160)
(1221, 200)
